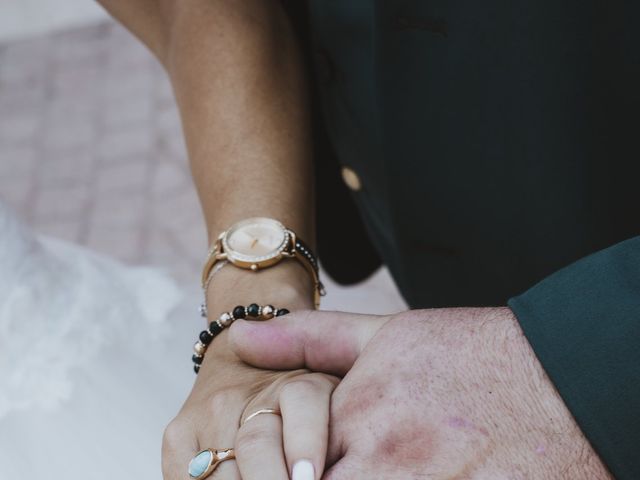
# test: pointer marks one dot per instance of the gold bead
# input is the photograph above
(199, 348)
(267, 312)
(225, 319)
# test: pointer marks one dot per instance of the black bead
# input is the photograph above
(281, 312)
(239, 312)
(253, 310)
(196, 368)
(205, 337)
(214, 328)
(197, 359)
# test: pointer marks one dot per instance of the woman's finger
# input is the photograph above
(179, 444)
(217, 430)
(304, 403)
(259, 447)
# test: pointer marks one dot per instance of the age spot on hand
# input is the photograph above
(407, 443)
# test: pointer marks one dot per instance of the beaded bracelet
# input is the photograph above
(253, 311)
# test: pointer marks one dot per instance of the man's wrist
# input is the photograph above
(550, 422)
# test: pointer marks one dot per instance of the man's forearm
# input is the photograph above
(237, 75)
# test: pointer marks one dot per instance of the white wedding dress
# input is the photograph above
(94, 360)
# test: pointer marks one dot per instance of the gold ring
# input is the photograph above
(272, 411)
(206, 461)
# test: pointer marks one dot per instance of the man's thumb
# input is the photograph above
(327, 342)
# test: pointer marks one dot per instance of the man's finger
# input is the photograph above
(327, 342)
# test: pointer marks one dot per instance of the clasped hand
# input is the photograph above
(437, 394)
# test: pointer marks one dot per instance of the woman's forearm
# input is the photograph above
(240, 88)
(239, 82)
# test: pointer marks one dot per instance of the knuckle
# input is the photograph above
(326, 379)
(173, 434)
(298, 388)
(253, 436)
(222, 400)
(305, 386)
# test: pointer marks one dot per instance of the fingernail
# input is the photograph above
(303, 470)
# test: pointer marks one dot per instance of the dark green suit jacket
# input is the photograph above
(497, 145)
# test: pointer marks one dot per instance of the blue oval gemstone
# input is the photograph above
(199, 464)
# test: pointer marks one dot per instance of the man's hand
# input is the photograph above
(438, 394)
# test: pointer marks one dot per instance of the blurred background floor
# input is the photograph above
(32, 17)
(91, 149)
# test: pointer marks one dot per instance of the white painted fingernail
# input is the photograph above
(303, 470)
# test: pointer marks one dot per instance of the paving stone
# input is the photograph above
(61, 204)
(131, 142)
(115, 178)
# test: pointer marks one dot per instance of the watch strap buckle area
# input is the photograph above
(215, 255)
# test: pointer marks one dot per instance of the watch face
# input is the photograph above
(255, 240)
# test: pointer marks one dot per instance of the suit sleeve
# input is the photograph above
(583, 322)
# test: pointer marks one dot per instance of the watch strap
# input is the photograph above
(305, 256)
(211, 260)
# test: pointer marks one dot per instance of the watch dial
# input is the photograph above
(256, 239)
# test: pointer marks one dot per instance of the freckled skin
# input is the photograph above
(408, 434)
(413, 407)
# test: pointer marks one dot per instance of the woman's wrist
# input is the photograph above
(286, 284)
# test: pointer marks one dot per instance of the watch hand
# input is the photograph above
(253, 244)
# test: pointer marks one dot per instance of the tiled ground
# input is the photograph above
(91, 151)
(26, 18)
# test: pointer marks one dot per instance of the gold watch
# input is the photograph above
(258, 243)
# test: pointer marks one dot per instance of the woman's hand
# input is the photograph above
(267, 446)
(227, 391)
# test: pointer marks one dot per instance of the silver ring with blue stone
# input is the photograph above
(206, 461)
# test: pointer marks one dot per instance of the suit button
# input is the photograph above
(351, 179)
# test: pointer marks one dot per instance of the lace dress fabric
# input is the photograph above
(94, 359)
